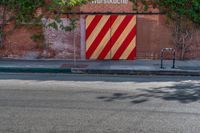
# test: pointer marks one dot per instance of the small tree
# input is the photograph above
(183, 17)
(2, 24)
(183, 30)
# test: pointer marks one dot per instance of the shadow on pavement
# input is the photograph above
(183, 92)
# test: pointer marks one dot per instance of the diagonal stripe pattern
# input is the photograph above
(111, 37)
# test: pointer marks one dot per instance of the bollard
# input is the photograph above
(171, 50)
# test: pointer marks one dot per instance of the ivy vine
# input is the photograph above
(23, 12)
(183, 18)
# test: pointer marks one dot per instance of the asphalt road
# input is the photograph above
(54, 103)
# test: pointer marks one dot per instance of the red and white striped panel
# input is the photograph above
(111, 37)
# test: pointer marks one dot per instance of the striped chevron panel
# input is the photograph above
(111, 37)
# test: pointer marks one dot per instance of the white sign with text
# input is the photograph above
(110, 2)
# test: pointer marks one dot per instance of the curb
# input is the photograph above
(99, 71)
(137, 72)
(35, 70)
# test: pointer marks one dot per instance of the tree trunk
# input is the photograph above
(2, 26)
(182, 55)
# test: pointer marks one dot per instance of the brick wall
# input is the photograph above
(18, 43)
(152, 35)
(152, 31)
(107, 7)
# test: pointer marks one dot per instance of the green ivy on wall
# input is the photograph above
(183, 18)
(19, 12)
(23, 12)
(188, 8)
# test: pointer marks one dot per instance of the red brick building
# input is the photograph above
(152, 34)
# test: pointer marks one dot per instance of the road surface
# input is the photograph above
(58, 103)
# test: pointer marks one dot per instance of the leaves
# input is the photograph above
(183, 17)
(186, 8)
(24, 10)
(64, 6)
(53, 25)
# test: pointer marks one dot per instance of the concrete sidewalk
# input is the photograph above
(137, 67)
